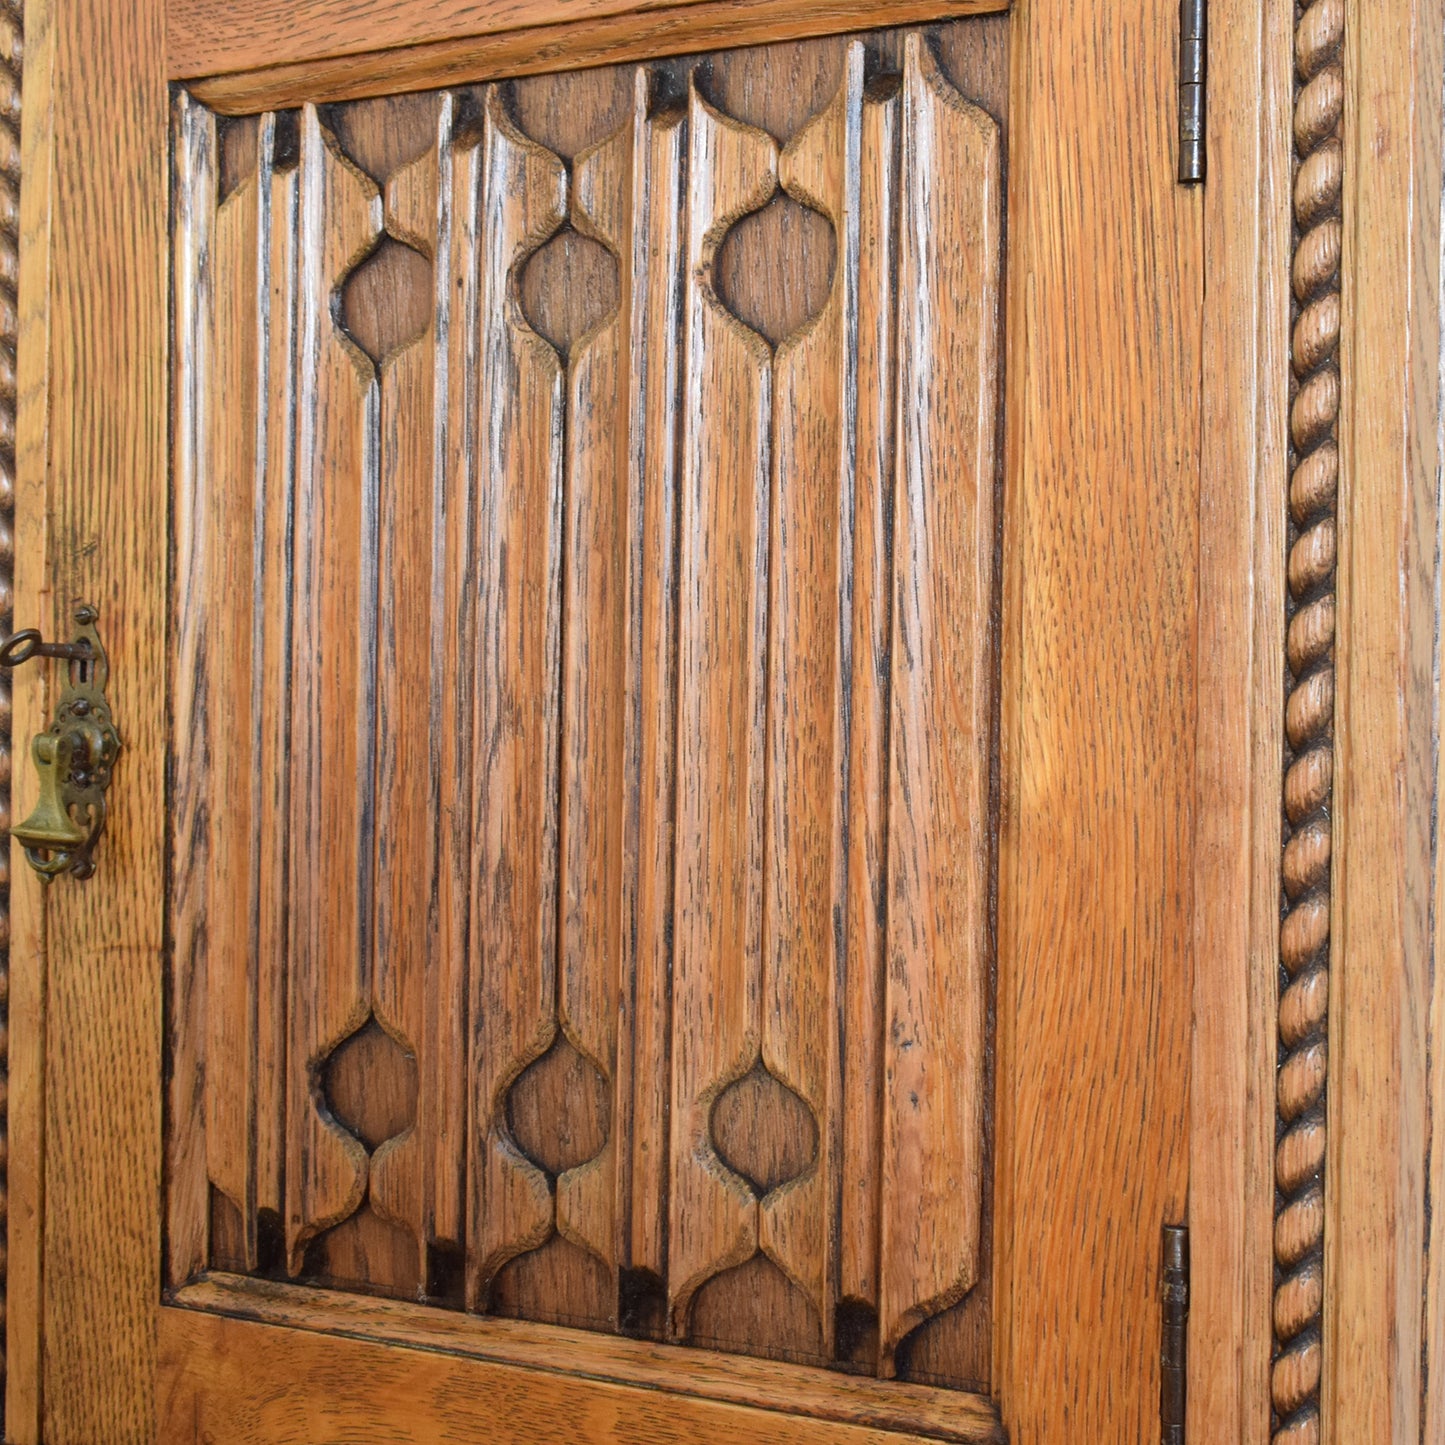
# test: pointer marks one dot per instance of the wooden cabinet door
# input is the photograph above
(652, 609)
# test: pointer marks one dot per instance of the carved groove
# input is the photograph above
(11, 56)
(1309, 718)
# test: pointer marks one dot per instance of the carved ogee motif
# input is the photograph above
(1309, 713)
(937, 1003)
(581, 840)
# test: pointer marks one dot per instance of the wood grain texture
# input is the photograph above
(686, 1379)
(515, 746)
(630, 35)
(1376, 1203)
(261, 1384)
(209, 37)
(248, 364)
(812, 456)
(1100, 552)
(598, 523)
(644, 1055)
(871, 651)
(333, 717)
(1240, 739)
(189, 1182)
(562, 839)
(410, 731)
(940, 755)
(25, 1084)
(722, 658)
(458, 282)
(95, 443)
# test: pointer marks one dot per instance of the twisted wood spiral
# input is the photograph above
(1309, 720)
(11, 48)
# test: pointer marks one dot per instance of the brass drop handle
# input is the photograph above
(74, 757)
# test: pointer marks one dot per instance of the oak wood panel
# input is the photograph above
(871, 646)
(812, 452)
(681, 1378)
(608, 40)
(560, 281)
(188, 1174)
(410, 730)
(940, 745)
(270, 798)
(515, 746)
(598, 523)
(95, 443)
(459, 251)
(717, 970)
(644, 1056)
(25, 1083)
(333, 719)
(1386, 703)
(1240, 740)
(257, 1384)
(208, 37)
(1100, 546)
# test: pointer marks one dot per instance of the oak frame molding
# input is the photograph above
(1303, 1017)
(1239, 749)
(284, 59)
(1383, 1322)
(776, 1389)
(216, 37)
(1319, 1311)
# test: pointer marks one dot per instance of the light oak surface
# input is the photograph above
(26, 1054)
(545, 1351)
(487, 363)
(1239, 744)
(708, 1127)
(1386, 740)
(89, 469)
(210, 37)
(1100, 556)
(628, 35)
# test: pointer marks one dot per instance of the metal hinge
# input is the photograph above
(1174, 1333)
(1193, 42)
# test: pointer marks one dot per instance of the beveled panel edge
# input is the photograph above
(609, 39)
(770, 1385)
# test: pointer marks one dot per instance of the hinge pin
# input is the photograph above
(1173, 1357)
(1193, 43)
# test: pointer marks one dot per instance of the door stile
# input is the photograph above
(1098, 697)
(91, 498)
(26, 1080)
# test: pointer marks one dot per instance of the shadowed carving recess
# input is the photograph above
(584, 582)
(1309, 724)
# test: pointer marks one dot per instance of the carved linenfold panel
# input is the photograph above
(585, 535)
